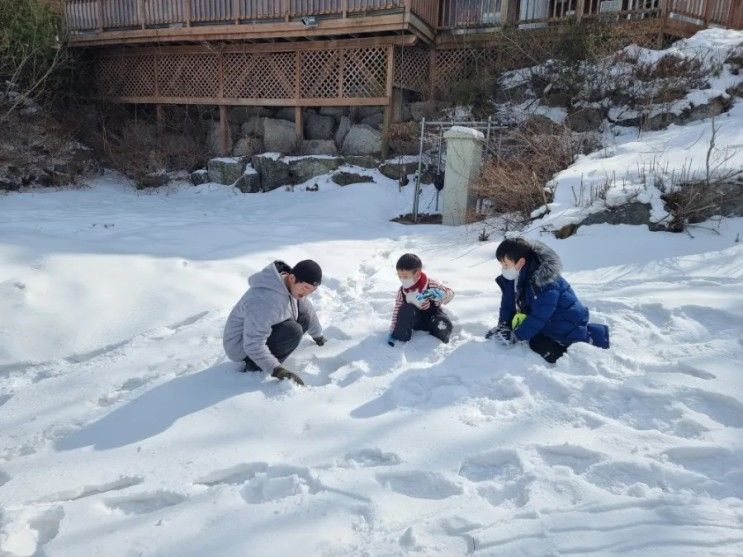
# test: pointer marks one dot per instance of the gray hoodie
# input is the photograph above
(266, 303)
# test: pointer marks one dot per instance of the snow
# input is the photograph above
(126, 432)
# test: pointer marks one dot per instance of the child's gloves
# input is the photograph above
(502, 333)
(320, 341)
(517, 320)
(390, 340)
(281, 373)
(433, 294)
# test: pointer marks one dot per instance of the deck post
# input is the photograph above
(140, 13)
(389, 92)
(160, 121)
(299, 123)
(509, 13)
(100, 16)
(224, 147)
(580, 8)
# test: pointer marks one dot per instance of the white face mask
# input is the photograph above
(408, 282)
(510, 273)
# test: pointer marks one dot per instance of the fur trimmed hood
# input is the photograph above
(547, 264)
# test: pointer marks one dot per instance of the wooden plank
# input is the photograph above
(343, 44)
(368, 25)
(385, 148)
(299, 122)
(355, 101)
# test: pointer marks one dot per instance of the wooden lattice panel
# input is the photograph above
(319, 74)
(364, 72)
(188, 75)
(413, 68)
(259, 76)
(126, 76)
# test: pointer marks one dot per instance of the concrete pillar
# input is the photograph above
(463, 160)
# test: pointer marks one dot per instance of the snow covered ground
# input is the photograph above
(125, 432)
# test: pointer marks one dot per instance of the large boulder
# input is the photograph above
(585, 120)
(629, 213)
(225, 170)
(213, 140)
(374, 121)
(250, 181)
(713, 107)
(285, 113)
(240, 114)
(366, 111)
(199, 177)
(253, 126)
(279, 135)
(362, 140)
(538, 124)
(336, 112)
(247, 147)
(153, 180)
(317, 126)
(393, 168)
(306, 168)
(364, 161)
(344, 178)
(343, 126)
(272, 169)
(318, 147)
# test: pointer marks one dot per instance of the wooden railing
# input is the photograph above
(100, 15)
(728, 13)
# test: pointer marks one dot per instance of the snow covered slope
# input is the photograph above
(125, 432)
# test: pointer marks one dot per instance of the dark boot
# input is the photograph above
(549, 349)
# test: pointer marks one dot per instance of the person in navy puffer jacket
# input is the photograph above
(538, 305)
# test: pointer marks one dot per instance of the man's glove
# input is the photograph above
(390, 340)
(280, 373)
(433, 294)
(320, 341)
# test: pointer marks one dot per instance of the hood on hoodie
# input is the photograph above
(547, 264)
(270, 278)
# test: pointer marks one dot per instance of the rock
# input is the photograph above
(240, 114)
(714, 107)
(153, 180)
(362, 140)
(317, 126)
(362, 161)
(566, 231)
(344, 178)
(539, 124)
(273, 171)
(557, 99)
(318, 147)
(336, 112)
(247, 147)
(629, 213)
(279, 136)
(199, 177)
(213, 139)
(285, 113)
(375, 121)
(366, 111)
(306, 168)
(343, 127)
(225, 170)
(392, 168)
(516, 94)
(249, 182)
(253, 126)
(585, 120)
(420, 110)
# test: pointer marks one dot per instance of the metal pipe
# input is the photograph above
(420, 170)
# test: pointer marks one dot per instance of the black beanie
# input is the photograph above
(308, 271)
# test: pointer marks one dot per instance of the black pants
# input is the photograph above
(432, 320)
(549, 349)
(283, 340)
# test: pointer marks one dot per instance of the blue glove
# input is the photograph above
(433, 294)
(390, 340)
